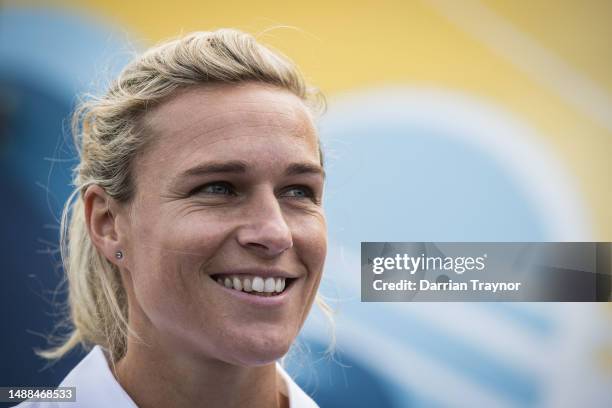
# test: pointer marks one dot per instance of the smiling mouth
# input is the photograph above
(254, 285)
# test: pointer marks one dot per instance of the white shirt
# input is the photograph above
(96, 387)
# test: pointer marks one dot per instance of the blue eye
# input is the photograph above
(299, 192)
(220, 188)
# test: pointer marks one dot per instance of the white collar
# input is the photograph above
(96, 386)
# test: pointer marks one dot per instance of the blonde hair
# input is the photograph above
(108, 134)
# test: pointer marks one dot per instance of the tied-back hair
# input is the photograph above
(109, 133)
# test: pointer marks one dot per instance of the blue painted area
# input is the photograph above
(526, 316)
(36, 151)
(63, 51)
(30, 272)
(498, 374)
(46, 58)
(343, 381)
(409, 183)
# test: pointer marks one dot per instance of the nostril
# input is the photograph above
(256, 245)
(266, 240)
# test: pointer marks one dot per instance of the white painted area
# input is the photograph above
(520, 152)
(540, 63)
(408, 368)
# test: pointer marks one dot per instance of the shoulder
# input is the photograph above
(94, 385)
(297, 397)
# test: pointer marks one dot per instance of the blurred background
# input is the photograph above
(448, 120)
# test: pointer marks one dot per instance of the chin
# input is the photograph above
(260, 351)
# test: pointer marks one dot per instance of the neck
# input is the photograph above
(155, 378)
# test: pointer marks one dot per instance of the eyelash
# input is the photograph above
(309, 193)
(216, 183)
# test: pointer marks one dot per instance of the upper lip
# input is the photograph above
(263, 272)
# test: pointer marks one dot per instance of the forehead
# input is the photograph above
(221, 121)
(222, 108)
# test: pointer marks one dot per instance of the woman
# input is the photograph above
(196, 243)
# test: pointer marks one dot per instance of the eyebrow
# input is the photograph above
(240, 167)
(304, 168)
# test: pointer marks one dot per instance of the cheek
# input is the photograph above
(310, 241)
(181, 238)
(168, 259)
(314, 231)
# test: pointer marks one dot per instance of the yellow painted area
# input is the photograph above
(579, 31)
(604, 358)
(345, 45)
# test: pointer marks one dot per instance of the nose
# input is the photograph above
(265, 230)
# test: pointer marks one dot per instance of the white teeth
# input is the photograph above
(253, 283)
(278, 286)
(269, 285)
(237, 284)
(258, 284)
(246, 286)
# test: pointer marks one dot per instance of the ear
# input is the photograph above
(100, 222)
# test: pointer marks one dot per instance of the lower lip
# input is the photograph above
(268, 301)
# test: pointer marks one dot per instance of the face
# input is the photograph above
(226, 236)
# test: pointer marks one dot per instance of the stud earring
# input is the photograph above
(119, 255)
